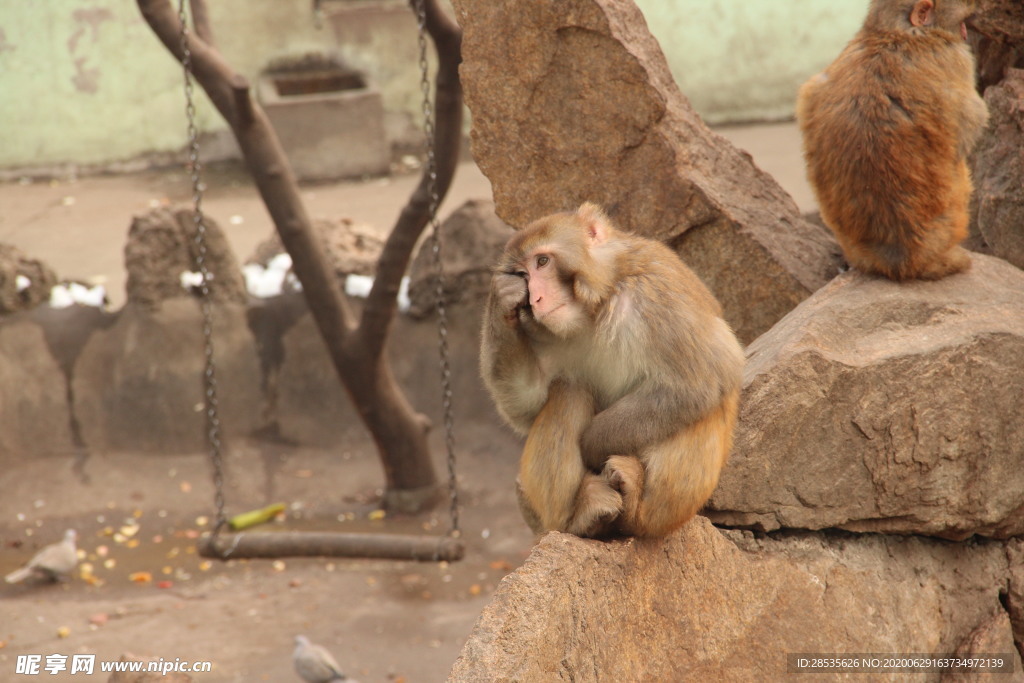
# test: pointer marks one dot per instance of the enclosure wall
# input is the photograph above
(87, 83)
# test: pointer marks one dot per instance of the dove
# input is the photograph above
(315, 664)
(52, 562)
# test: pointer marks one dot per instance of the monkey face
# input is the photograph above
(551, 296)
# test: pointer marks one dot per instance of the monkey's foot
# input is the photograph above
(625, 475)
(597, 507)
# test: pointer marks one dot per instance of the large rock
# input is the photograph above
(876, 406)
(35, 417)
(998, 171)
(1014, 599)
(577, 103)
(353, 248)
(996, 36)
(994, 635)
(138, 385)
(162, 245)
(702, 606)
(24, 282)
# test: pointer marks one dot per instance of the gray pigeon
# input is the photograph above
(315, 664)
(52, 562)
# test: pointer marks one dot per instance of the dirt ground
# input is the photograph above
(138, 516)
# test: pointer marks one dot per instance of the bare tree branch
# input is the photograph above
(266, 160)
(398, 430)
(201, 21)
(380, 306)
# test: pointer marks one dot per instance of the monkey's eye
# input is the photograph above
(542, 261)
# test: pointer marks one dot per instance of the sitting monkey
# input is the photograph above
(614, 360)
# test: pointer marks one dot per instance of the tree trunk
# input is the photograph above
(356, 351)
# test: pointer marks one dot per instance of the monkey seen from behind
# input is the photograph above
(887, 128)
(613, 358)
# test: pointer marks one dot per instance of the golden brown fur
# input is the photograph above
(613, 358)
(887, 128)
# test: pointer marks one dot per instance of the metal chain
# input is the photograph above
(209, 374)
(439, 295)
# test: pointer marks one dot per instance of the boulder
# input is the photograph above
(353, 248)
(702, 605)
(24, 282)
(1014, 599)
(884, 407)
(996, 36)
(138, 385)
(162, 245)
(997, 214)
(35, 416)
(577, 103)
(992, 636)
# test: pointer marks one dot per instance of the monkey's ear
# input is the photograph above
(596, 222)
(923, 13)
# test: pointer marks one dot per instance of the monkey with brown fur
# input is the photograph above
(887, 129)
(613, 358)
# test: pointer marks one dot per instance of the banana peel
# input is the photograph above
(251, 518)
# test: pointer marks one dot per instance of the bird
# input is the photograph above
(315, 664)
(52, 562)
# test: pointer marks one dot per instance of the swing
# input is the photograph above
(222, 545)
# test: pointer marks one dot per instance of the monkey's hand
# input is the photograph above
(509, 294)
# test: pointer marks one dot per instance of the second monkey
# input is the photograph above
(887, 129)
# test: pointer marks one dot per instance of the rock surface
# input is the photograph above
(353, 248)
(472, 239)
(998, 172)
(138, 385)
(993, 635)
(703, 606)
(24, 282)
(35, 417)
(881, 407)
(578, 104)
(161, 246)
(996, 36)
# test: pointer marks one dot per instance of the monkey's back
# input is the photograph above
(880, 129)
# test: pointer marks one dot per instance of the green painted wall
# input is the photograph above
(744, 61)
(85, 82)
